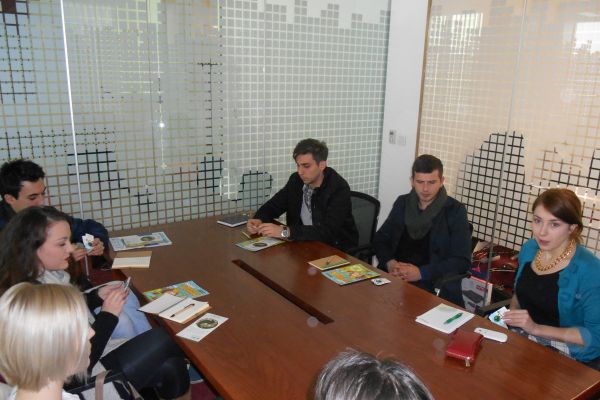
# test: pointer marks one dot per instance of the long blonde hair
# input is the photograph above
(43, 334)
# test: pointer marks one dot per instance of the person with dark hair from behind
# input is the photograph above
(316, 200)
(22, 186)
(426, 236)
(360, 376)
(556, 299)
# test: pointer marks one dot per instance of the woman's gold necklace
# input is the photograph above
(566, 253)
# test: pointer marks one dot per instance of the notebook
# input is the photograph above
(233, 220)
(444, 318)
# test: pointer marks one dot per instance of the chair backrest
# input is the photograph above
(365, 210)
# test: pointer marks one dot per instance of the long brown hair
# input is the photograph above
(20, 239)
(564, 205)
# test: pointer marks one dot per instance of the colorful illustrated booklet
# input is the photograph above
(184, 289)
(350, 274)
(153, 239)
(259, 243)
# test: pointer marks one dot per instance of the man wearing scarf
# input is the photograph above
(426, 236)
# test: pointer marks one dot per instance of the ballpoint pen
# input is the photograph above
(246, 235)
(182, 310)
(454, 317)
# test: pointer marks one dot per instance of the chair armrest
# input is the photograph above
(440, 283)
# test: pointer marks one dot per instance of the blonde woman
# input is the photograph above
(44, 339)
(35, 247)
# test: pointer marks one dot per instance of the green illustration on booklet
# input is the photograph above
(259, 243)
(350, 274)
(189, 289)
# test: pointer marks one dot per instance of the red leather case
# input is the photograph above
(464, 345)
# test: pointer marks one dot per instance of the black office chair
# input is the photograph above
(365, 210)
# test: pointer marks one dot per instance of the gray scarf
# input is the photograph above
(418, 223)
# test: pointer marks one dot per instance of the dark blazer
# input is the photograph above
(331, 211)
(449, 241)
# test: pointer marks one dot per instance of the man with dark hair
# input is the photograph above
(426, 235)
(22, 186)
(316, 200)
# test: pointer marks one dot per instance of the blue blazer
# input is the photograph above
(578, 297)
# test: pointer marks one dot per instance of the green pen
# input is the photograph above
(457, 316)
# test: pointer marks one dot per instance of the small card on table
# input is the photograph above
(198, 330)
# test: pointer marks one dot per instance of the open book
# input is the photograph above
(176, 308)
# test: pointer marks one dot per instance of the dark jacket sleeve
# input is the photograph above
(80, 227)
(275, 206)
(387, 237)
(104, 325)
(93, 300)
(451, 248)
(335, 208)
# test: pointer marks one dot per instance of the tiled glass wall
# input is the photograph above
(511, 105)
(182, 109)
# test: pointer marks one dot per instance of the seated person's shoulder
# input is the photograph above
(591, 263)
(333, 176)
(455, 206)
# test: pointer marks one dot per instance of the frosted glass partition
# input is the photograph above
(172, 110)
(510, 104)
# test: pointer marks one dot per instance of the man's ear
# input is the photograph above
(323, 165)
(9, 199)
(442, 180)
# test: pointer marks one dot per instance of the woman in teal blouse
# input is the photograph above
(557, 289)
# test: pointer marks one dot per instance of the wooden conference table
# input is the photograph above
(272, 348)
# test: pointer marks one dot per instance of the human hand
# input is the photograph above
(271, 230)
(521, 319)
(252, 225)
(79, 253)
(97, 248)
(409, 272)
(114, 302)
(106, 289)
(393, 267)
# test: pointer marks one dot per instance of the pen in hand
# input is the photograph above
(182, 310)
(453, 318)
(245, 234)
